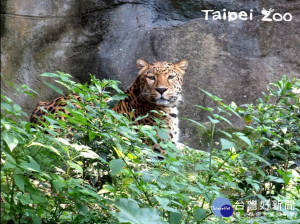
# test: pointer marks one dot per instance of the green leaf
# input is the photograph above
(226, 133)
(50, 147)
(25, 199)
(50, 120)
(92, 135)
(214, 98)
(17, 108)
(229, 108)
(10, 140)
(119, 96)
(31, 166)
(261, 171)
(6, 107)
(200, 167)
(114, 85)
(149, 132)
(8, 165)
(38, 198)
(55, 88)
(275, 179)
(162, 201)
(82, 208)
(76, 167)
(242, 136)
(164, 204)
(19, 181)
(9, 158)
(286, 176)
(217, 116)
(89, 154)
(255, 186)
(226, 144)
(163, 134)
(142, 117)
(64, 76)
(296, 221)
(199, 214)
(58, 184)
(175, 217)
(248, 119)
(29, 94)
(35, 218)
(209, 109)
(245, 139)
(195, 122)
(262, 198)
(273, 142)
(116, 166)
(49, 74)
(258, 157)
(130, 212)
(221, 221)
(214, 121)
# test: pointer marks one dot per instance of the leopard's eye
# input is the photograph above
(152, 77)
(171, 76)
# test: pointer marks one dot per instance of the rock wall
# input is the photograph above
(234, 60)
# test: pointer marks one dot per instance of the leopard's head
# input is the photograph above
(161, 82)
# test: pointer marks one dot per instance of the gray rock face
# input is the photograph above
(234, 60)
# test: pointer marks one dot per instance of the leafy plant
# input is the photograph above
(94, 167)
(276, 119)
(266, 166)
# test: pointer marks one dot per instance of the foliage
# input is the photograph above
(93, 167)
(266, 166)
(276, 120)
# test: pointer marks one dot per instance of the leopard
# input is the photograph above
(157, 87)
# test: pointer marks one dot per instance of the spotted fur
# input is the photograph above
(157, 87)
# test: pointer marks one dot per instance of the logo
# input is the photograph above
(222, 207)
(268, 15)
(276, 16)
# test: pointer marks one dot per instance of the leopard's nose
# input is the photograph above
(161, 90)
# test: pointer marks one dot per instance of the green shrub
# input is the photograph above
(276, 121)
(266, 167)
(104, 173)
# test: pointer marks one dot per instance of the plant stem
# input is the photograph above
(205, 217)
(12, 196)
(212, 131)
(137, 181)
(211, 144)
(134, 176)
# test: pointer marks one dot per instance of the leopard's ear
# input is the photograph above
(182, 65)
(141, 65)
